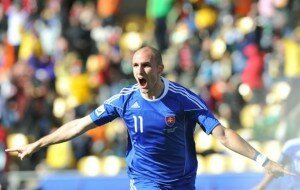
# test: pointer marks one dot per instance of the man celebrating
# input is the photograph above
(160, 116)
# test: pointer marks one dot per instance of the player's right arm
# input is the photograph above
(105, 113)
(64, 133)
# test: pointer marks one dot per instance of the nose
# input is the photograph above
(140, 69)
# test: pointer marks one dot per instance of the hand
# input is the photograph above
(24, 151)
(275, 170)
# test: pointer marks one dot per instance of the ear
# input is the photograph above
(161, 68)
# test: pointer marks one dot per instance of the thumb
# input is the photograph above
(22, 155)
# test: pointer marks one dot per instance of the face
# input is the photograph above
(147, 72)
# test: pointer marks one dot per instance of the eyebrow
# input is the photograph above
(144, 63)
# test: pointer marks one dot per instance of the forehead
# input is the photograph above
(142, 55)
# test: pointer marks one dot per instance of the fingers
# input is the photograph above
(12, 150)
(281, 173)
(289, 173)
(21, 155)
(19, 152)
(285, 172)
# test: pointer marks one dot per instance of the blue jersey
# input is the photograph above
(161, 146)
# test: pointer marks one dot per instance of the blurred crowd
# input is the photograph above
(60, 59)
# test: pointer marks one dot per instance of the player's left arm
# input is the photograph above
(236, 143)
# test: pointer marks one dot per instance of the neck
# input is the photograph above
(157, 90)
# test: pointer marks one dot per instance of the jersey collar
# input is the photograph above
(166, 88)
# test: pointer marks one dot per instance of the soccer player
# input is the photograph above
(160, 116)
(290, 157)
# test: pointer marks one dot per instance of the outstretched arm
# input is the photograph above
(236, 143)
(64, 133)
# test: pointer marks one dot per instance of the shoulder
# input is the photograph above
(178, 88)
(123, 95)
(189, 99)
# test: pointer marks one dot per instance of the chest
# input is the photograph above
(149, 118)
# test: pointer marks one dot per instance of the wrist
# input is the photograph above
(37, 144)
(261, 159)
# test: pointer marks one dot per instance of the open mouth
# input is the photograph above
(142, 82)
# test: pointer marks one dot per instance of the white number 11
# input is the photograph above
(135, 119)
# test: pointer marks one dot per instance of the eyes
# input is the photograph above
(143, 65)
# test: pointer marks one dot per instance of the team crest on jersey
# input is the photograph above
(170, 120)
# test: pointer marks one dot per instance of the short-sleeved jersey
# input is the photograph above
(161, 144)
